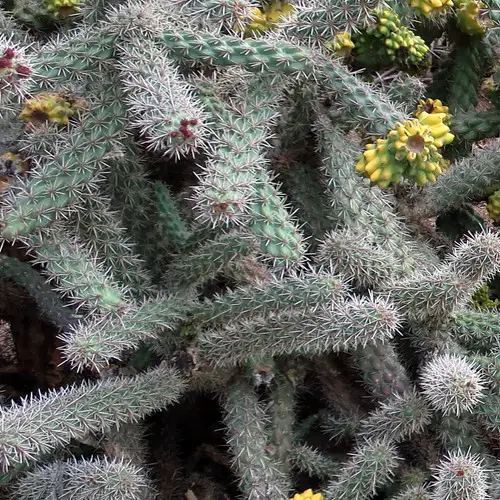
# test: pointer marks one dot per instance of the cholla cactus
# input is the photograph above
(452, 384)
(99, 479)
(268, 202)
(461, 476)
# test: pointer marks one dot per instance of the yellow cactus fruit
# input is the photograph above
(427, 171)
(253, 22)
(379, 165)
(267, 18)
(431, 7)
(410, 150)
(307, 495)
(439, 130)
(50, 107)
(493, 206)
(341, 44)
(277, 11)
(397, 39)
(63, 8)
(469, 16)
(433, 106)
(411, 140)
(414, 142)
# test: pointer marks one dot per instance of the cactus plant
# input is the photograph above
(241, 225)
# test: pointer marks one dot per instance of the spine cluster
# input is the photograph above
(275, 222)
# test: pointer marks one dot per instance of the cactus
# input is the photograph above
(233, 236)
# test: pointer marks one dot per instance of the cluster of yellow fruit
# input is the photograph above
(468, 12)
(433, 106)
(341, 44)
(394, 35)
(469, 18)
(307, 495)
(493, 206)
(431, 7)
(265, 19)
(63, 8)
(410, 150)
(50, 107)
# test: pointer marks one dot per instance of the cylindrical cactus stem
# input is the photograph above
(78, 274)
(414, 492)
(372, 465)
(361, 100)
(469, 62)
(245, 420)
(459, 433)
(487, 410)
(469, 179)
(348, 323)
(102, 231)
(474, 126)
(9, 24)
(227, 186)
(43, 481)
(220, 15)
(281, 241)
(312, 462)
(132, 195)
(162, 106)
(127, 442)
(357, 255)
(432, 335)
(490, 366)
(237, 188)
(60, 179)
(406, 90)
(97, 341)
(436, 295)
(170, 224)
(382, 372)
(321, 19)
(78, 56)
(281, 409)
(16, 76)
(341, 425)
(98, 478)
(477, 258)
(47, 300)
(307, 192)
(401, 417)
(188, 271)
(41, 424)
(304, 290)
(357, 205)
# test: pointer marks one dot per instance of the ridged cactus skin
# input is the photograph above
(255, 233)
